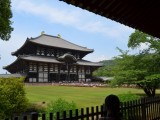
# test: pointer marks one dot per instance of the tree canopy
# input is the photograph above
(106, 70)
(12, 96)
(143, 68)
(5, 22)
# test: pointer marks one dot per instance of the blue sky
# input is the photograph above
(31, 17)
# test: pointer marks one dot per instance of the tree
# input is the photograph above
(12, 96)
(142, 69)
(106, 70)
(5, 22)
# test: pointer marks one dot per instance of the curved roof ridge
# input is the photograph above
(59, 38)
(84, 48)
(5, 67)
(27, 40)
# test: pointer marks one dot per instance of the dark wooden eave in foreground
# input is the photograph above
(139, 14)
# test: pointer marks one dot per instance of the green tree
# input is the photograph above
(5, 22)
(12, 96)
(61, 105)
(142, 69)
(106, 70)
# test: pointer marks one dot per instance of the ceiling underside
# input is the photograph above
(143, 15)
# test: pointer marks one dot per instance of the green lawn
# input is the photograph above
(82, 96)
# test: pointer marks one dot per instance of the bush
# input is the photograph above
(60, 105)
(12, 96)
(128, 97)
(38, 108)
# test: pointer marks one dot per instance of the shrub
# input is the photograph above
(39, 108)
(128, 97)
(60, 105)
(12, 96)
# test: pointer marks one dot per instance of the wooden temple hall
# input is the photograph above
(49, 58)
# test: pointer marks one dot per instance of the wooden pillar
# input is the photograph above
(59, 66)
(37, 65)
(85, 73)
(45, 51)
(55, 53)
(91, 70)
(49, 80)
(77, 68)
(27, 71)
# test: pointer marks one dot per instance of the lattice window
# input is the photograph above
(58, 54)
(38, 51)
(45, 67)
(56, 67)
(32, 67)
(74, 69)
(42, 51)
(88, 70)
(32, 80)
(78, 56)
(43, 76)
(81, 77)
(48, 53)
(52, 52)
(40, 67)
(51, 68)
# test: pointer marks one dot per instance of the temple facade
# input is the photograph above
(49, 58)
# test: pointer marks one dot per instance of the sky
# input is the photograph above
(31, 17)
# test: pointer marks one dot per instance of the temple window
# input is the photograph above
(88, 70)
(74, 69)
(78, 56)
(51, 67)
(52, 52)
(45, 67)
(32, 79)
(38, 51)
(48, 53)
(32, 67)
(56, 67)
(43, 76)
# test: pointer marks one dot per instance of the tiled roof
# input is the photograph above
(52, 60)
(52, 41)
(55, 41)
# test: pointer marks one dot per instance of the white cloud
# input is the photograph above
(73, 17)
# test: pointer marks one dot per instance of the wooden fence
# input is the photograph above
(143, 109)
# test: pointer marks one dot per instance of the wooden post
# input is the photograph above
(143, 109)
(25, 118)
(43, 117)
(82, 113)
(16, 118)
(87, 113)
(51, 116)
(34, 116)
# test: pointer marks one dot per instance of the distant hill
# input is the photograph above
(107, 62)
(106, 70)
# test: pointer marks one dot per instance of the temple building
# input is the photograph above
(49, 58)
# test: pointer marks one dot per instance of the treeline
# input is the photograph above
(106, 70)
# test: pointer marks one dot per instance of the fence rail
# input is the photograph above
(143, 109)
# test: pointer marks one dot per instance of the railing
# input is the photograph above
(143, 109)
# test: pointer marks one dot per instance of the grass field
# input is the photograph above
(82, 96)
